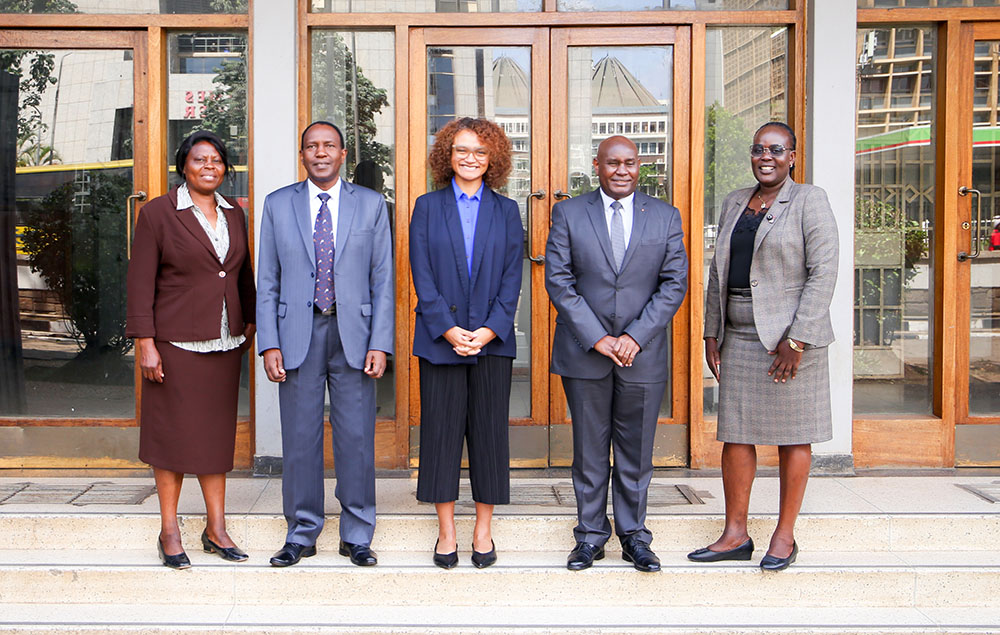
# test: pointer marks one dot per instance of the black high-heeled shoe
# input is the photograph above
(178, 561)
(774, 563)
(483, 560)
(445, 560)
(233, 554)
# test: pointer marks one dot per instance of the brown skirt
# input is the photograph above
(188, 423)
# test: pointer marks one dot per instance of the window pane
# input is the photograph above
(207, 90)
(424, 6)
(124, 6)
(919, 4)
(671, 5)
(894, 221)
(746, 74)
(366, 59)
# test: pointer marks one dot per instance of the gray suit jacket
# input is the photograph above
(794, 267)
(594, 301)
(362, 274)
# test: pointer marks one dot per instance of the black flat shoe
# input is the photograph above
(483, 560)
(445, 560)
(583, 556)
(291, 553)
(637, 552)
(233, 554)
(179, 561)
(361, 555)
(743, 552)
(774, 563)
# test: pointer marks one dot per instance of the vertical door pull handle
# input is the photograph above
(531, 248)
(977, 223)
(129, 206)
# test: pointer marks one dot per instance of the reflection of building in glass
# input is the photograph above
(424, 6)
(753, 74)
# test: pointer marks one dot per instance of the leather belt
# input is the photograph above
(746, 293)
(331, 311)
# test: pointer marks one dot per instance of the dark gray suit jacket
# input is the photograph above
(594, 301)
(794, 268)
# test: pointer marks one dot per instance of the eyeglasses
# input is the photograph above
(462, 152)
(776, 150)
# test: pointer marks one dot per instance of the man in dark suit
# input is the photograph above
(325, 296)
(616, 271)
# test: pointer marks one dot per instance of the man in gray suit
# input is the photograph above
(616, 271)
(325, 310)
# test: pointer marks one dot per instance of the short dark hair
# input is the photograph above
(320, 122)
(199, 136)
(784, 126)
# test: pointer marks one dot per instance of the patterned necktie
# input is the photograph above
(323, 243)
(617, 235)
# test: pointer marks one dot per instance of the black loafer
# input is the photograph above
(483, 560)
(291, 553)
(445, 560)
(233, 554)
(179, 561)
(637, 551)
(743, 552)
(583, 556)
(361, 555)
(774, 563)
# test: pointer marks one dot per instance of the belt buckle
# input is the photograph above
(331, 311)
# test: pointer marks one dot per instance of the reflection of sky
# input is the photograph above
(651, 65)
(520, 54)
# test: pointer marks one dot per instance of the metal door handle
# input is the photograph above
(559, 195)
(129, 202)
(965, 191)
(531, 250)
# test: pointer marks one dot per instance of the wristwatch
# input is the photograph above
(794, 346)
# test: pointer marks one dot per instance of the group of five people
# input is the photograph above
(323, 314)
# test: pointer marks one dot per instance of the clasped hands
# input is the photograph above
(468, 343)
(621, 350)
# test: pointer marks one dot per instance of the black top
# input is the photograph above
(741, 248)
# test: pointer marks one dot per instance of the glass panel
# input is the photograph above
(984, 301)
(894, 220)
(424, 6)
(494, 83)
(671, 5)
(920, 4)
(65, 175)
(624, 90)
(367, 59)
(746, 76)
(207, 89)
(123, 6)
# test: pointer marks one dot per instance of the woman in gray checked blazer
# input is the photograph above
(767, 328)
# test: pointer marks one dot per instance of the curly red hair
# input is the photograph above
(493, 137)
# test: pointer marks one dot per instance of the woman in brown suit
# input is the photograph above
(191, 310)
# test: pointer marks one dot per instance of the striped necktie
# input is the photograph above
(323, 243)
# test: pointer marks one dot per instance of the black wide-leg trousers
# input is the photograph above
(467, 402)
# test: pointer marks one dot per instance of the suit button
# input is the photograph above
(753, 283)
(453, 308)
(312, 275)
(612, 315)
(222, 274)
(309, 304)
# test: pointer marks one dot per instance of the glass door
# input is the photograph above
(70, 163)
(978, 255)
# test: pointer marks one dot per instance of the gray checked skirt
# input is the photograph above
(755, 410)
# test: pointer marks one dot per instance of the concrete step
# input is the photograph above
(818, 579)
(163, 620)
(417, 532)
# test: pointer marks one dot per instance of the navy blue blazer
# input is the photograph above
(446, 294)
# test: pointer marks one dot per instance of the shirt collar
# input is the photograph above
(184, 198)
(607, 200)
(315, 190)
(478, 196)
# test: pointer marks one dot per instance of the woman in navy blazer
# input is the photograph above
(466, 246)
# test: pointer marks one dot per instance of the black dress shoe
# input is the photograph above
(233, 554)
(743, 552)
(291, 553)
(583, 555)
(361, 555)
(774, 563)
(483, 560)
(445, 560)
(637, 551)
(179, 561)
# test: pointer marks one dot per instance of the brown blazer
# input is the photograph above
(175, 281)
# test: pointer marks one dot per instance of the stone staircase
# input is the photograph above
(80, 572)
